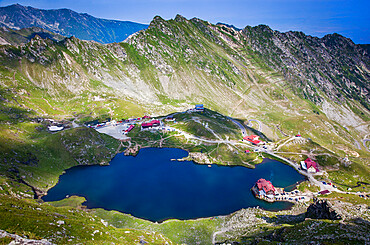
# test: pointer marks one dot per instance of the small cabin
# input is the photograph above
(199, 107)
(129, 129)
(324, 192)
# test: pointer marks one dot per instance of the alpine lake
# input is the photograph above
(152, 187)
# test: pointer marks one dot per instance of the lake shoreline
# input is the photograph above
(269, 165)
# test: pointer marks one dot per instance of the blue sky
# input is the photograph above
(314, 17)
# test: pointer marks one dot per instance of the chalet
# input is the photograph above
(254, 139)
(151, 124)
(264, 188)
(129, 129)
(199, 107)
(309, 165)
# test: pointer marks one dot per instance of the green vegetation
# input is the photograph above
(349, 198)
(64, 225)
(307, 186)
(73, 201)
(352, 232)
(180, 232)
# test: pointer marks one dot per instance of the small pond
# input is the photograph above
(153, 187)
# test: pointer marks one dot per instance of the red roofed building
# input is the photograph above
(264, 188)
(310, 165)
(254, 139)
(153, 123)
(324, 192)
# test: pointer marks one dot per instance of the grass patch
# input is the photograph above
(40, 221)
(197, 231)
(73, 201)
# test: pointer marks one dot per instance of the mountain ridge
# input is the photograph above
(68, 23)
(177, 62)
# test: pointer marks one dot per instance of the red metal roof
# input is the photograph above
(253, 139)
(130, 128)
(310, 163)
(324, 192)
(265, 185)
(151, 123)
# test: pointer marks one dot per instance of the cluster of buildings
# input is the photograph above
(263, 189)
(109, 122)
(151, 124)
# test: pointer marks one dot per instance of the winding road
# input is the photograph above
(364, 143)
(115, 131)
(241, 126)
(259, 124)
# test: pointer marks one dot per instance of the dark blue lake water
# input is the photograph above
(152, 187)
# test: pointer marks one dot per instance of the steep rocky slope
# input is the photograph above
(68, 23)
(176, 63)
(332, 64)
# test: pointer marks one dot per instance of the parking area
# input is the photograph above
(116, 132)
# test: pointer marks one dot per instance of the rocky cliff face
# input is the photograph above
(322, 209)
(68, 23)
(332, 65)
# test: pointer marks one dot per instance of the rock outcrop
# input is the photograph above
(322, 209)
(21, 240)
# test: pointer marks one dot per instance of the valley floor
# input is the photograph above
(210, 138)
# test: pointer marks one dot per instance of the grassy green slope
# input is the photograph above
(166, 68)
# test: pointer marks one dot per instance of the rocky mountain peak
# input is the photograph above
(180, 18)
(157, 20)
(17, 5)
